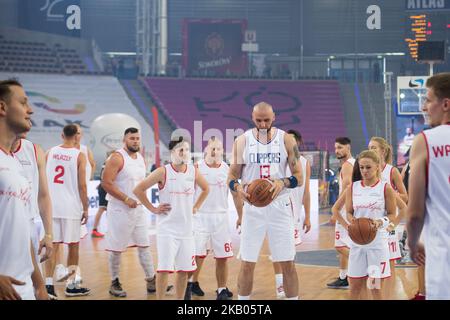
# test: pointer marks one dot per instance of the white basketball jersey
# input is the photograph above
(62, 177)
(264, 160)
(132, 172)
(84, 149)
(26, 154)
(15, 236)
(369, 202)
(298, 193)
(178, 191)
(437, 212)
(217, 200)
(386, 174)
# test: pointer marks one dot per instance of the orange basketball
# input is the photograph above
(259, 192)
(362, 231)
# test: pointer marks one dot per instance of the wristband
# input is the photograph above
(232, 184)
(48, 235)
(293, 182)
(385, 222)
(126, 199)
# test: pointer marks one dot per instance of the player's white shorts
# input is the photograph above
(66, 230)
(175, 254)
(211, 233)
(26, 292)
(277, 221)
(126, 228)
(372, 262)
(394, 245)
(341, 237)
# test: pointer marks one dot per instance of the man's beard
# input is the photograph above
(266, 131)
(340, 157)
(133, 149)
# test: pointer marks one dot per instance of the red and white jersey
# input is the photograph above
(369, 202)
(62, 177)
(298, 193)
(264, 160)
(437, 214)
(84, 150)
(178, 191)
(217, 200)
(129, 176)
(26, 154)
(386, 174)
(15, 233)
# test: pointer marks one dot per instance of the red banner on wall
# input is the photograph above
(213, 47)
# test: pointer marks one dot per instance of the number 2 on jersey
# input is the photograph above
(60, 173)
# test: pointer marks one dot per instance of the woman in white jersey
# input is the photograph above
(175, 238)
(369, 197)
(391, 175)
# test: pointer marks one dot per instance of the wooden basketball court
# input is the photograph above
(312, 278)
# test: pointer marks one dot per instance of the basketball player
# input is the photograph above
(392, 176)
(369, 197)
(266, 152)
(429, 188)
(175, 239)
(90, 166)
(66, 174)
(211, 221)
(342, 147)
(32, 158)
(127, 220)
(20, 277)
(102, 204)
(421, 292)
(301, 207)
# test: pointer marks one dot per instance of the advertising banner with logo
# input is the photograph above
(52, 16)
(92, 102)
(410, 94)
(213, 47)
(427, 5)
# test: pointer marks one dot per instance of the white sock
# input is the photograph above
(342, 274)
(243, 297)
(293, 298)
(219, 290)
(114, 264)
(146, 260)
(279, 279)
(191, 279)
(48, 281)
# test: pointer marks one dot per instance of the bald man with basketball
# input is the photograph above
(266, 152)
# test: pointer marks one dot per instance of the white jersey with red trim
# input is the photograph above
(84, 150)
(217, 200)
(62, 177)
(15, 233)
(26, 154)
(132, 172)
(386, 174)
(298, 193)
(437, 214)
(178, 191)
(265, 160)
(369, 202)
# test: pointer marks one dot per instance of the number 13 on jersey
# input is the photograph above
(264, 171)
